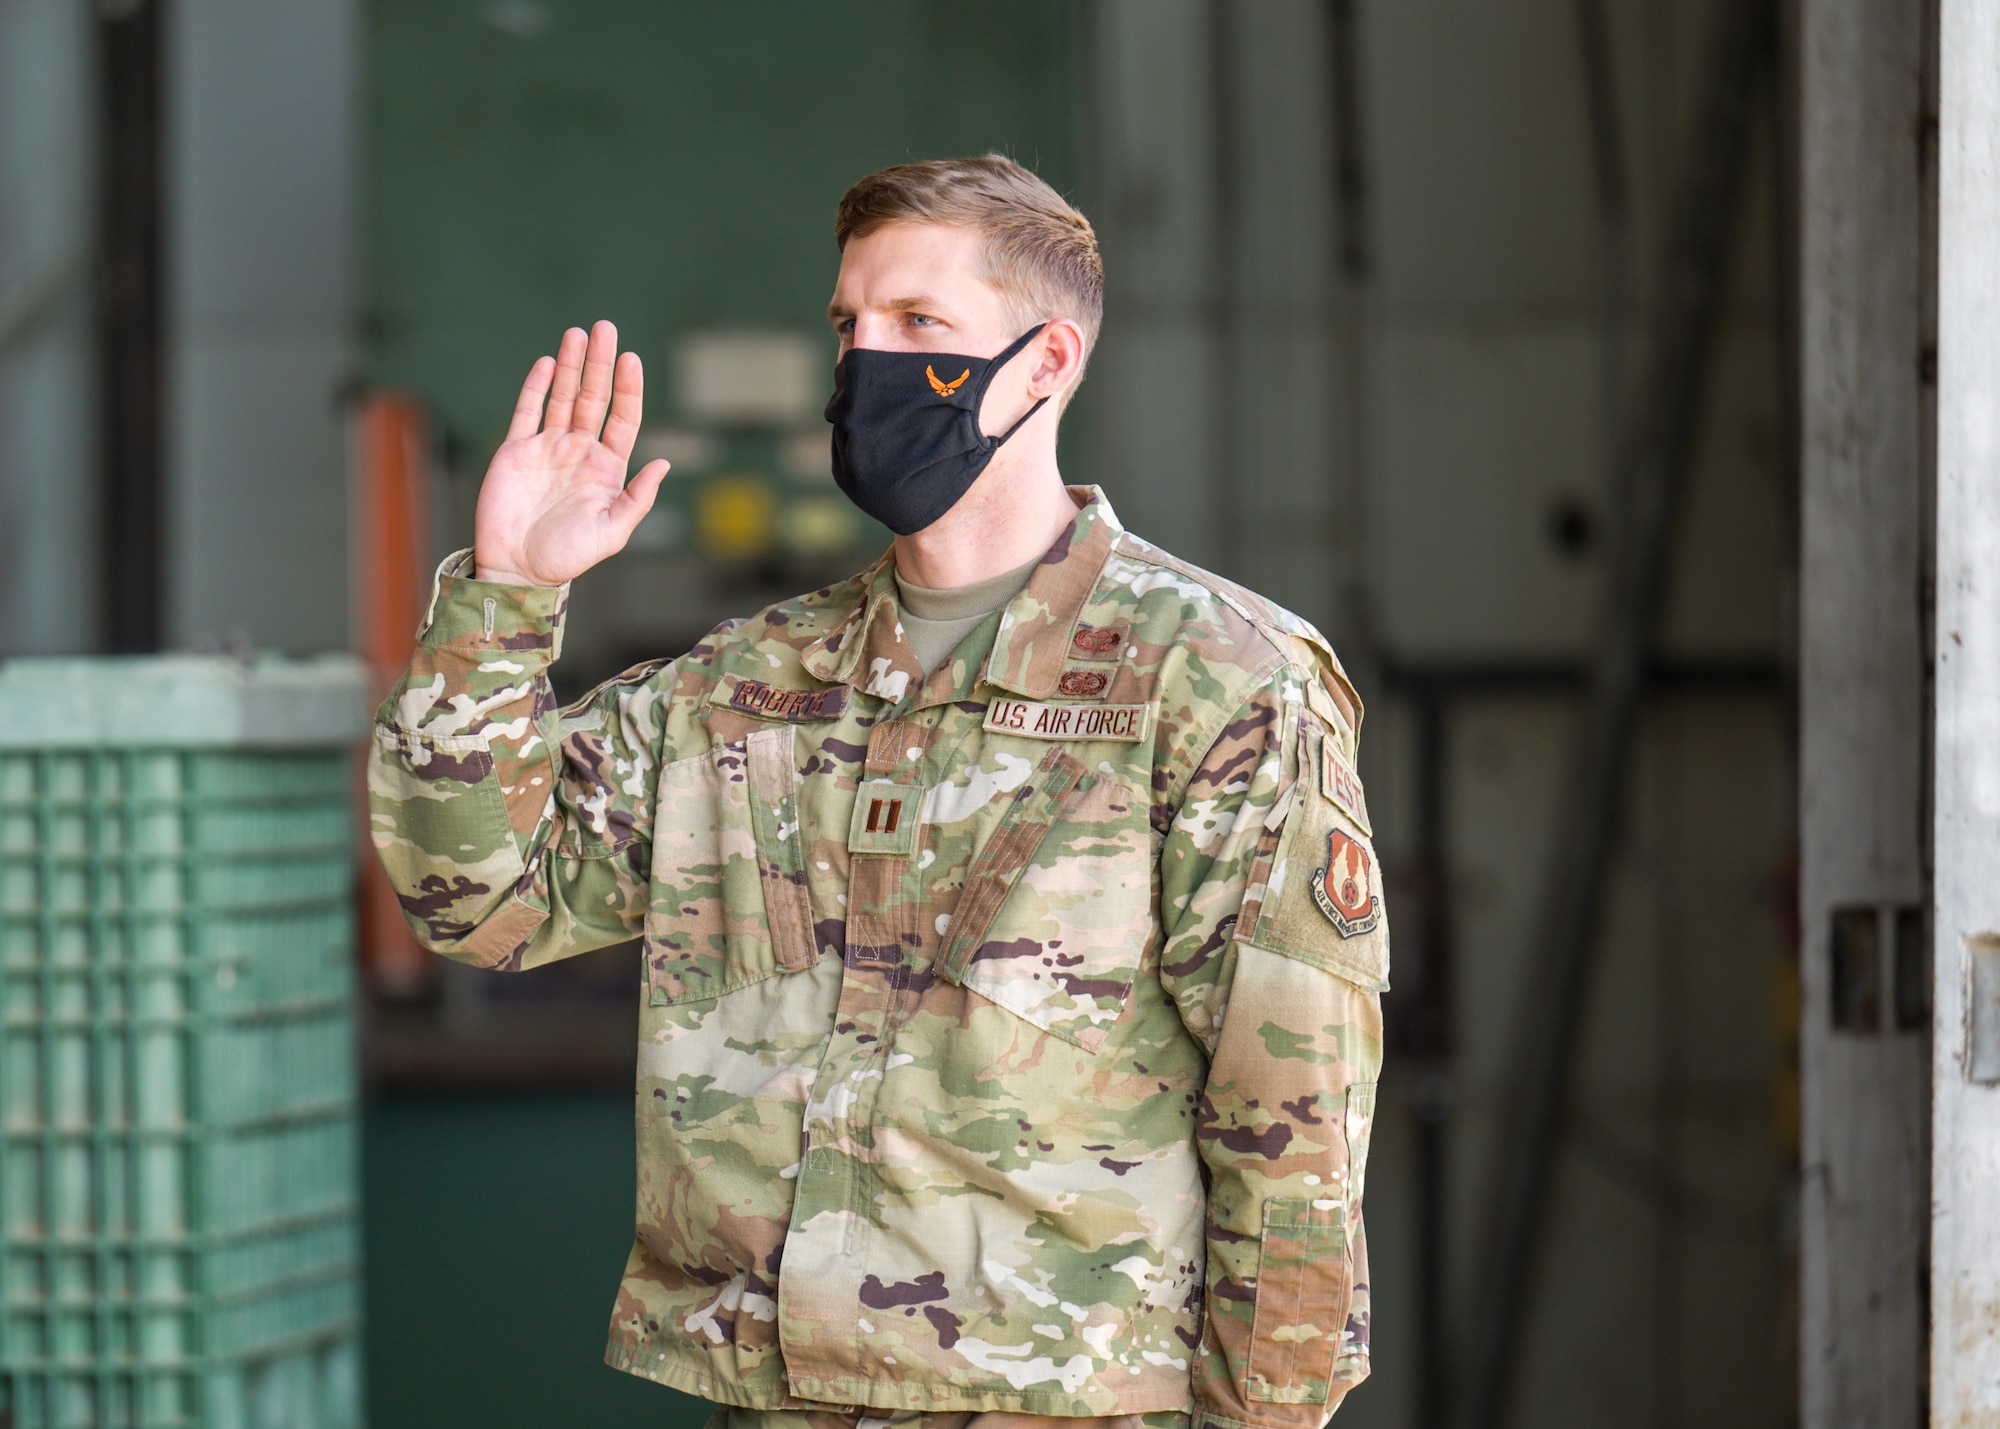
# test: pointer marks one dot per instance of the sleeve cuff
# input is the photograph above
(487, 615)
(1320, 1414)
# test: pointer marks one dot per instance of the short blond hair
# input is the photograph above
(1040, 252)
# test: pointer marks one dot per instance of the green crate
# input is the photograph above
(179, 1234)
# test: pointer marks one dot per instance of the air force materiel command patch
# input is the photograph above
(1125, 723)
(1342, 888)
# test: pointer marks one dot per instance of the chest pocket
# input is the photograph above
(1057, 908)
(729, 903)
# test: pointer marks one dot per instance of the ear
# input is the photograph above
(1058, 361)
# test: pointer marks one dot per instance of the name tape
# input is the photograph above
(772, 702)
(1034, 720)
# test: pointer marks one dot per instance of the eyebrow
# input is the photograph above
(914, 302)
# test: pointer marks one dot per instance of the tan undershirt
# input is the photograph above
(934, 621)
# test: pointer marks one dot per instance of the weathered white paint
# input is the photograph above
(1965, 1216)
(1865, 1156)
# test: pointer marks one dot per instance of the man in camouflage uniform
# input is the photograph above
(1011, 1025)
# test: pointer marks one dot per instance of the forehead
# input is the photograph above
(900, 260)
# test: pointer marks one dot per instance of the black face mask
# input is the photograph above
(906, 438)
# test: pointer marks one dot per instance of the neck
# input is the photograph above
(1012, 514)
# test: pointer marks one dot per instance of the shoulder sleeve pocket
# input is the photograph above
(1317, 896)
(1303, 1287)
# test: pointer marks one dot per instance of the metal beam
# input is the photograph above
(1652, 473)
(1607, 162)
(1226, 198)
(1864, 1061)
(129, 322)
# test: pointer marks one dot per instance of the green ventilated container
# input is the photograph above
(179, 1214)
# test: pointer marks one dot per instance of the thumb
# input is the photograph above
(629, 507)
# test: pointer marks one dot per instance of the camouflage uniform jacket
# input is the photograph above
(1009, 1036)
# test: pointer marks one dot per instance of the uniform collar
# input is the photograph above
(1037, 626)
(869, 651)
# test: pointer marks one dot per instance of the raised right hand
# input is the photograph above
(555, 501)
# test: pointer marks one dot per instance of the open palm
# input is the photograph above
(555, 501)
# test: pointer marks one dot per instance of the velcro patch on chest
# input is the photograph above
(1343, 786)
(886, 815)
(1033, 719)
(1090, 644)
(754, 697)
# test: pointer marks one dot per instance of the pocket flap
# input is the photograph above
(781, 860)
(729, 897)
(1053, 928)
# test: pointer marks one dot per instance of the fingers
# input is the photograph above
(595, 394)
(629, 507)
(568, 376)
(628, 387)
(527, 417)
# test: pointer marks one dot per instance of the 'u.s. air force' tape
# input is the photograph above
(1126, 723)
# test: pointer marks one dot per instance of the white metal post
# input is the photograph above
(1965, 1213)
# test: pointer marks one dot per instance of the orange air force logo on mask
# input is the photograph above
(945, 389)
(1343, 890)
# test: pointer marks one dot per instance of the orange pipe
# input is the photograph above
(391, 589)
